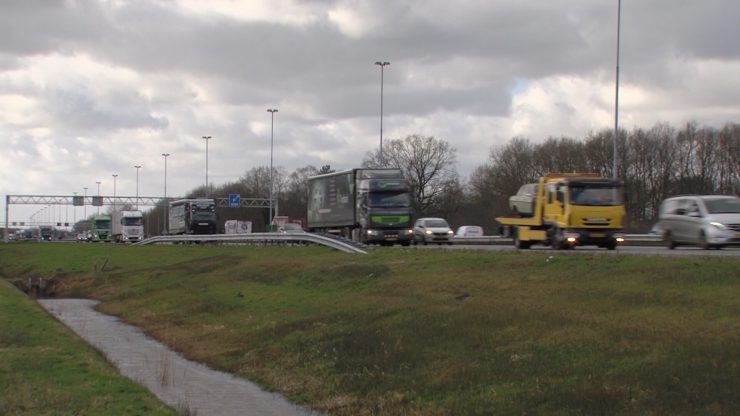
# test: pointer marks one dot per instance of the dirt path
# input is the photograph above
(190, 387)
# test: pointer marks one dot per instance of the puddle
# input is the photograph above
(189, 387)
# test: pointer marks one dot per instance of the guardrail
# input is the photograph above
(256, 238)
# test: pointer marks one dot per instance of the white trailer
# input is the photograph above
(127, 226)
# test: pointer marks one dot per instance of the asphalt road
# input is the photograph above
(729, 252)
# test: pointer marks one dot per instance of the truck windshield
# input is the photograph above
(595, 195)
(102, 224)
(385, 199)
(133, 221)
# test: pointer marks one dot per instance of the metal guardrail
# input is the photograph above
(255, 238)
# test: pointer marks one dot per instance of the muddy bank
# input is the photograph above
(190, 387)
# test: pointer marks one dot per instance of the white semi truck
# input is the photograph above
(127, 226)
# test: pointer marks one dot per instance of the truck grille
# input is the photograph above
(597, 222)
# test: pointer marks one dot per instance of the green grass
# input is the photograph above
(46, 370)
(429, 332)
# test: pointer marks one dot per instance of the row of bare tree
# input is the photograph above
(653, 164)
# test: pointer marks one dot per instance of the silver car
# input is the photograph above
(432, 230)
(709, 221)
(522, 204)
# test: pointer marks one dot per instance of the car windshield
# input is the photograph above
(437, 223)
(723, 205)
(386, 199)
(595, 195)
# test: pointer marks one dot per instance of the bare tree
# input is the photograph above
(427, 163)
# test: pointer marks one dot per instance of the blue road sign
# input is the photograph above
(234, 200)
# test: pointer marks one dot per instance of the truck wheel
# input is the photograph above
(557, 240)
(522, 245)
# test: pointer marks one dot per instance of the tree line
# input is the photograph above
(652, 163)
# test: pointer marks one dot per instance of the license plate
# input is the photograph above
(598, 235)
(392, 238)
(202, 223)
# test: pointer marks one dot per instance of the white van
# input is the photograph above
(709, 221)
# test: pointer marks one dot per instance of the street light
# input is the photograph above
(98, 182)
(84, 203)
(616, 95)
(382, 66)
(115, 175)
(137, 185)
(206, 138)
(74, 210)
(164, 214)
(272, 112)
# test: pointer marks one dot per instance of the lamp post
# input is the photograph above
(84, 203)
(115, 175)
(272, 112)
(164, 213)
(98, 194)
(616, 94)
(207, 138)
(137, 185)
(74, 211)
(382, 67)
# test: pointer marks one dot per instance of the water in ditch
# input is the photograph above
(190, 387)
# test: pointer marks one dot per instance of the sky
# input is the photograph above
(92, 88)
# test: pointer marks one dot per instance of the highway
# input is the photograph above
(643, 250)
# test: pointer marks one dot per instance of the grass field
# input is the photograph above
(427, 332)
(46, 370)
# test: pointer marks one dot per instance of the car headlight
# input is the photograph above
(372, 232)
(411, 231)
(718, 225)
(429, 232)
(450, 232)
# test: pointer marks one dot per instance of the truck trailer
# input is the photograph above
(193, 216)
(571, 209)
(127, 226)
(367, 205)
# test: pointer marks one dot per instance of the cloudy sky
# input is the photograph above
(90, 88)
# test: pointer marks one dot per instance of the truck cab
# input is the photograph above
(100, 228)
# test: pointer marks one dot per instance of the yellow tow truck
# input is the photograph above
(571, 209)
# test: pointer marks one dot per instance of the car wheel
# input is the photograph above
(668, 240)
(703, 243)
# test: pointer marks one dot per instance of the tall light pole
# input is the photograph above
(207, 138)
(382, 67)
(616, 93)
(98, 194)
(74, 211)
(84, 203)
(137, 185)
(272, 112)
(164, 213)
(115, 175)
